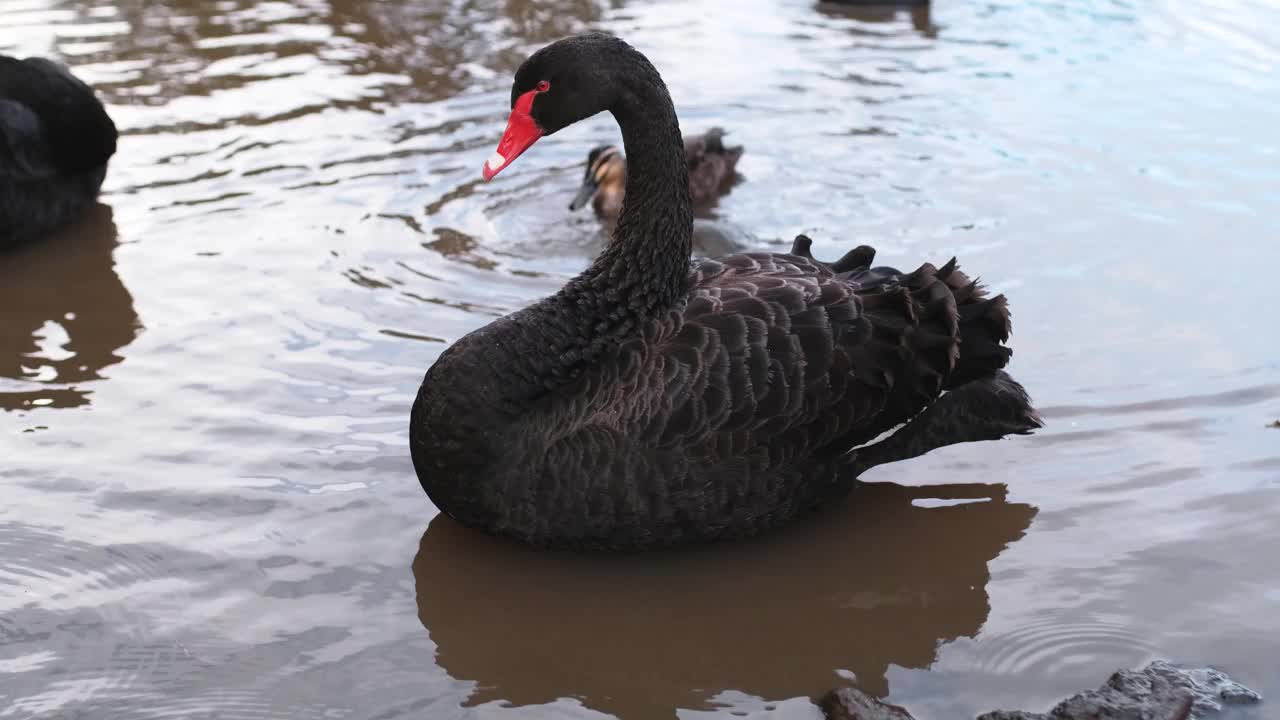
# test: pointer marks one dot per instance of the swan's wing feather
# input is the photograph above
(782, 352)
(784, 359)
(787, 375)
(25, 152)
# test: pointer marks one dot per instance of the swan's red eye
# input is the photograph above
(543, 86)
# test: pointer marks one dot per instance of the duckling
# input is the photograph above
(604, 182)
(711, 168)
(55, 141)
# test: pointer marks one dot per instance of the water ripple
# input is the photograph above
(1046, 647)
(209, 510)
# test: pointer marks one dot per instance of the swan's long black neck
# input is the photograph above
(509, 366)
(644, 270)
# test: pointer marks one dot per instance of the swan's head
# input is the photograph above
(564, 82)
(606, 173)
(67, 108)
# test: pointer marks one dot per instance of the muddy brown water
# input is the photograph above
(208, 507)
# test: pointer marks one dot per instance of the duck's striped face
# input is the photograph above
(606, 171)
(600, 159)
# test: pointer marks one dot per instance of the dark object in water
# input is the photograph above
(711, 168)
(853, 704)
(55, 141)
(879, 3)
(1275, 424)
(651, 403)
(883, 11)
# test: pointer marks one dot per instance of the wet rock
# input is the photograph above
(851, 704)
(1159, 691)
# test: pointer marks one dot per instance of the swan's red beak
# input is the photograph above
(522, 132)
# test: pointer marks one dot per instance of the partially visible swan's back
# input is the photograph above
(55, 141)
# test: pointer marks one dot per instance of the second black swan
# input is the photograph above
(55, 141)
(652, 401)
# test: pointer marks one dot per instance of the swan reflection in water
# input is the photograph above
(873, 581)
(64, 314)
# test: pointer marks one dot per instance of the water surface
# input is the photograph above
(209, 510)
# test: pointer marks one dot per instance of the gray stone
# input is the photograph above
(852, 704)
(1160, 691)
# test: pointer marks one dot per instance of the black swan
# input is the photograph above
(55, 141)
(652, 402)
(711, 166)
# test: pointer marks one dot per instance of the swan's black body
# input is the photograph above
(650, 402)
(55, 141)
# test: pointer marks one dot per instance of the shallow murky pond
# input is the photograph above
(208, 506)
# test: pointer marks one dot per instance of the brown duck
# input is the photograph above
(711, 166)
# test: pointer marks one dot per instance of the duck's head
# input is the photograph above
(606, 173)
(564, 82)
